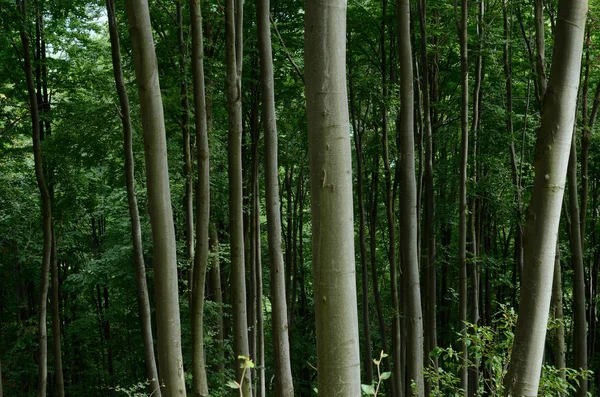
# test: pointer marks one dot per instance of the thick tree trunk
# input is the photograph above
(336, 314)
(408, 207)
(159, 199)
(136, 231)
(284, 385)
(46, 210)
(580, 325)
(200, 385)
(233, 45)
(552, 157)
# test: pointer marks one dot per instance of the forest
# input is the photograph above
(330, 198)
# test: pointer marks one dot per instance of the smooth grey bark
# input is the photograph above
(200, 384)
(233, 46)
(462, 25)
(560, 361)
(580, 359)
(136, 230)
(408, 207)
(284, 386)
(168, 325)
(329, 152)
(59, 383)
(550, 164)
(46, 210)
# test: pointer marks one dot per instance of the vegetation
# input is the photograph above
(420, 217)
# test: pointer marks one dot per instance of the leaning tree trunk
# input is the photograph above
(551, 162)
(329, 151)
(168, 325)
(136, 230)
(580, 325)
(233, 46)
(408, 207)
(46, 210)
(284, 385)
(200, 385)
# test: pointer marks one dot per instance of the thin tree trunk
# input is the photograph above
(462, 25)
(540, 44)
(552, 157)
(215, 274)
(557, 306)
(46, 209)
(338, 360)
(56, 334)
(408, 207)
(282, 363)
(580, 325)
(136, 231)
(200, 384)
(188, 198)
(159, 199)
(233, 45)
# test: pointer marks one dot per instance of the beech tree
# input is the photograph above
(329, 151)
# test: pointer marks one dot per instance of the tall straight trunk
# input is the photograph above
(200, 385)
(233, 45)
(329, 152)
(215, 274)
(580, 325)
(46, 209)
(188, 198)
(552, 157)
(59, 383)
(136, 230)
(284, 385)
(170, 359)
(557, 307)
(408, 207)
(462, 211)
(398, 366)
(429, 213)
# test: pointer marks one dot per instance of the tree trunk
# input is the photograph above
(56, 334)
(580, 325)
(46, 210)
(200, 385)
(552, 157)
(462, 212)
(284, 385)
(136, 230)
(540, 44)
(557, 305)
(336, 314)
(233, 44)
(408, 207)
(159, 199)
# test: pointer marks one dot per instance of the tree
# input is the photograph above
(408, 207)
(200, 385)
(283, 371)
(551, 163)
(329, 151)
(168, 326)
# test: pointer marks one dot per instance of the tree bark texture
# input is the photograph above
(336, 314)
(550, 164)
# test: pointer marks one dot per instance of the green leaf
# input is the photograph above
(368, 389)
(385, 375)
(233, 384)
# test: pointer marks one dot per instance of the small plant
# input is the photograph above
(137, 390)
(245, 366)
(373, 390)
